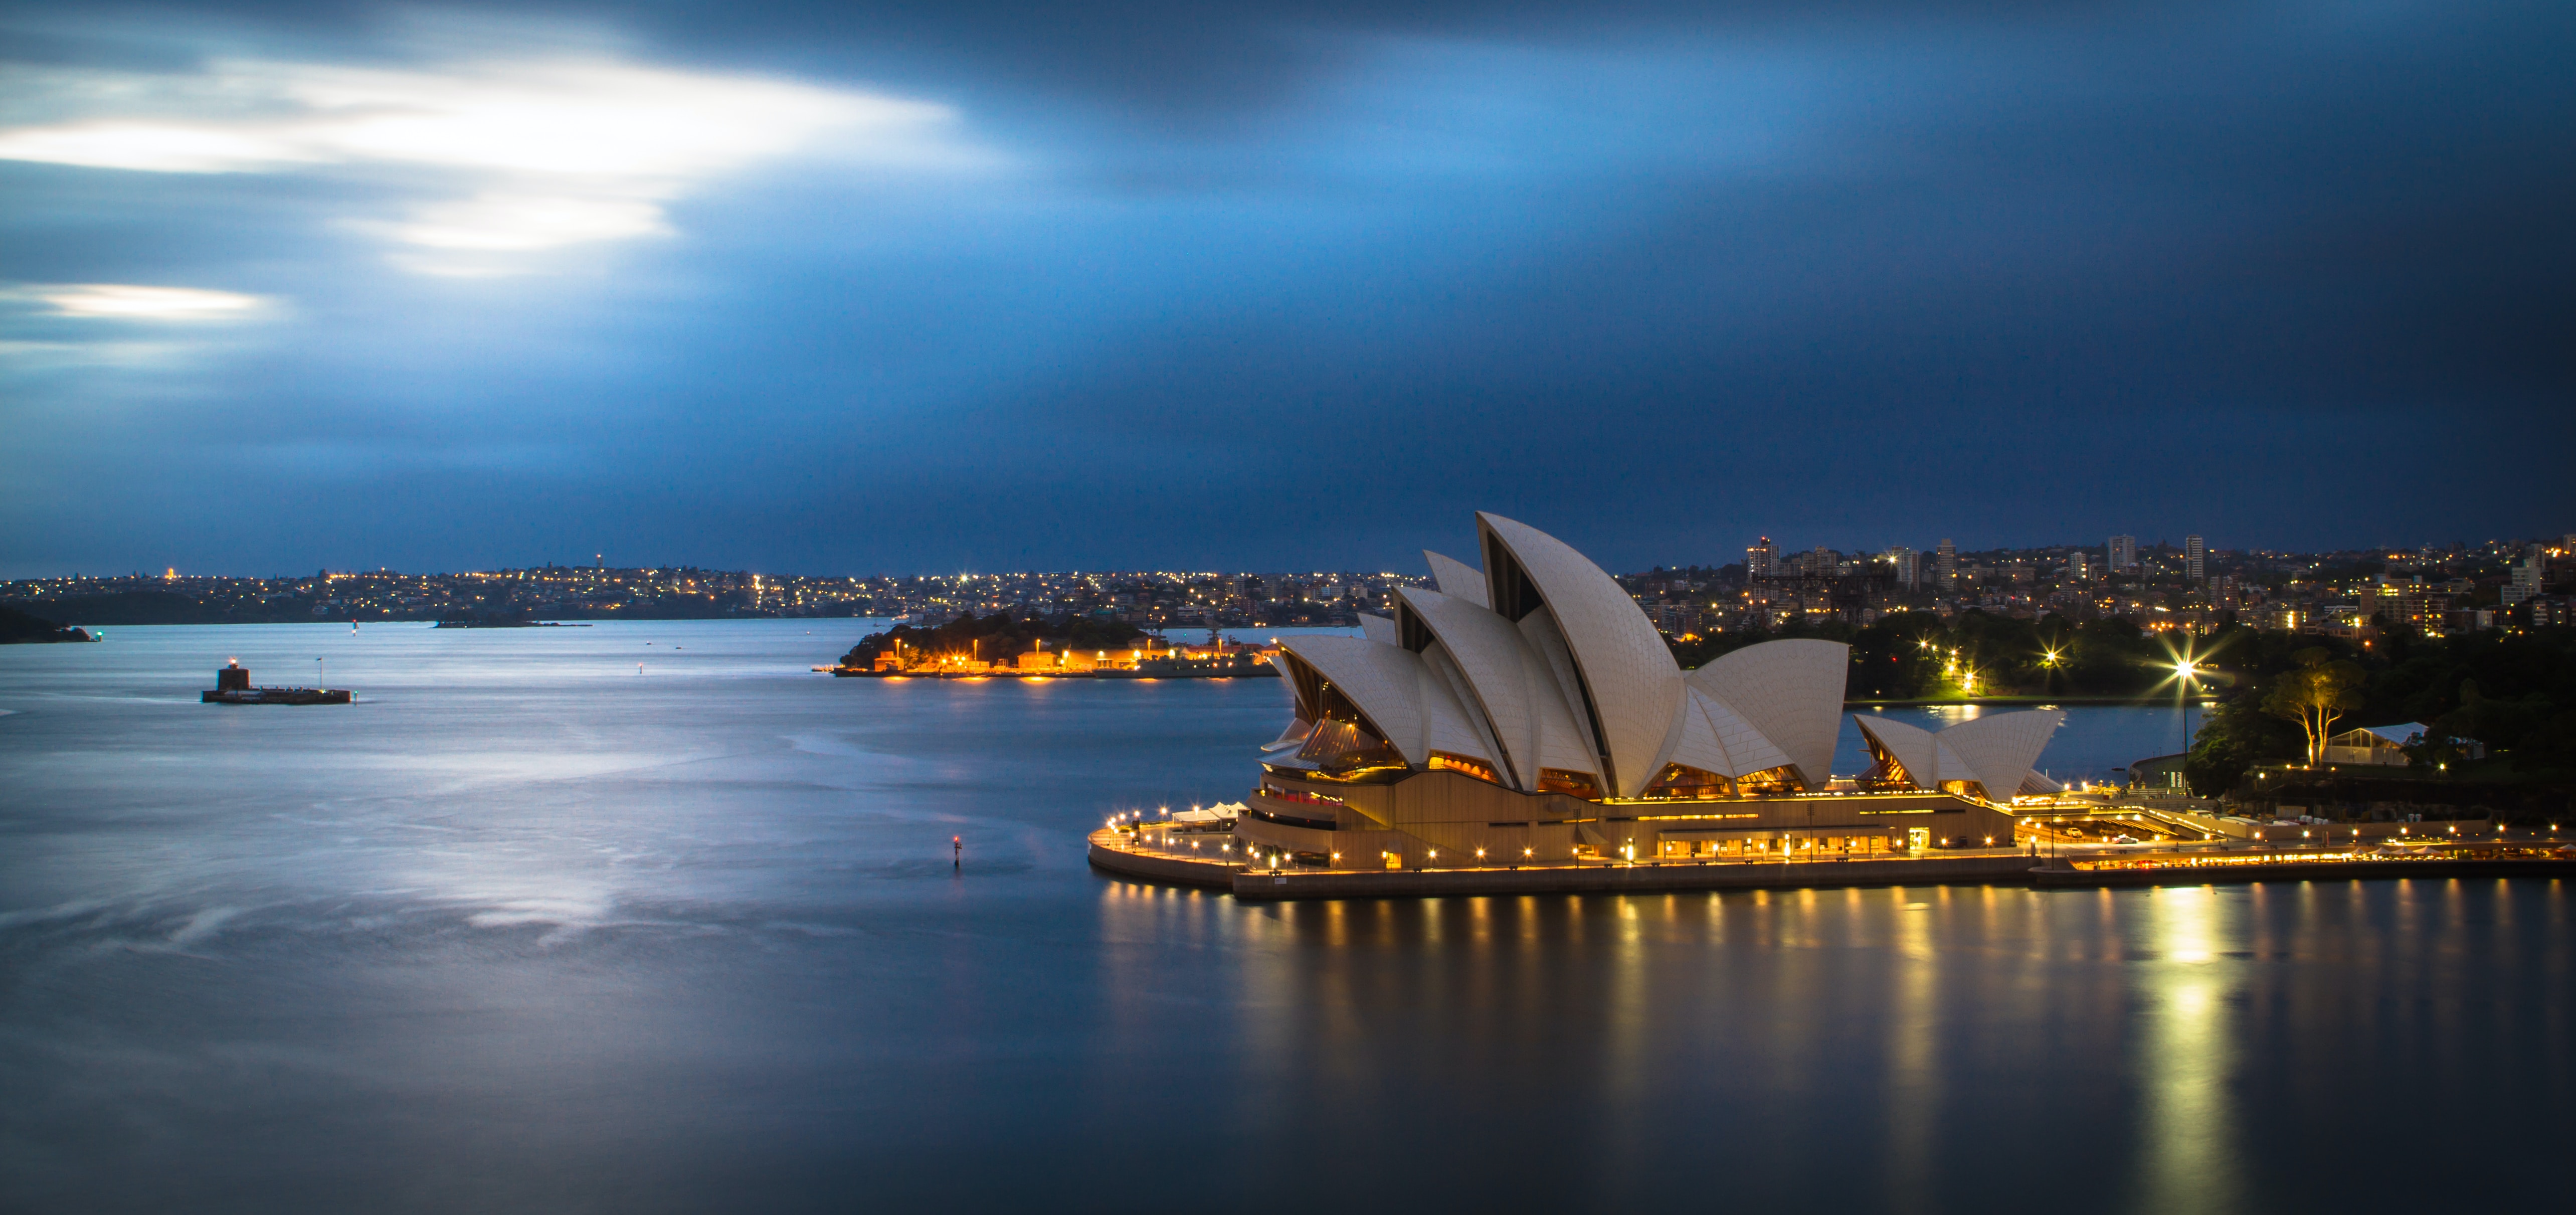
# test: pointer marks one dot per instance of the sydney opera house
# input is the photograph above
(1528, 711)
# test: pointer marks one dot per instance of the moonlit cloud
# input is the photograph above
(895, 286)
(542, 152)
(125, 301)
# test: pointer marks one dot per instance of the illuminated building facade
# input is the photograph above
(1528, 711)
(2122, 554)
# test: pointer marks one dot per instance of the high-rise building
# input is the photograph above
(2122, 554)
(1908, 565)
(1945, 563)
(2195, 558)
(2075, 565)
(2526, 576)
(1762, 560)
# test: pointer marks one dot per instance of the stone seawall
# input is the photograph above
(2299, 871)
(1108, 855)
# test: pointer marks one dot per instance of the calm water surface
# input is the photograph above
(525, 930)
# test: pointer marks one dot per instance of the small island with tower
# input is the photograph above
(233, 687)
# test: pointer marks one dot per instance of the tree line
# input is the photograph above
(2278, 695)
(2515, 693)
(997, 637)
(1919, 656)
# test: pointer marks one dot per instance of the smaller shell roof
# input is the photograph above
(1509, 684)
(2001, 748)
(1995, 751)
(1911, 745)
(1403, 699)
(1457, 579)
(1789, 691)
(1718, 740)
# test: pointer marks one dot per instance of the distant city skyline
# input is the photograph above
(2442, 591)
(1782, 553)
(2095, 552)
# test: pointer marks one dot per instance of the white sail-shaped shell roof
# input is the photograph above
(1995, 751)
(1911, 745)
(1791, 692)
(1541, 661)
(1633, 685)
(1717, 739)
(2001, 749)
(1379, 629)
(1457, 579)
(1402, 697)
(1510, 686)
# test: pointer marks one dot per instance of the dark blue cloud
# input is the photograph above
(1302, 285)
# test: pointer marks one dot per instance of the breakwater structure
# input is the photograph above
(233, 687)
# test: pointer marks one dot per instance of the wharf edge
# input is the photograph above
(1609, 877)
(1983, 868)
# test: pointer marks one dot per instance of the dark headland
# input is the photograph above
(22, 628)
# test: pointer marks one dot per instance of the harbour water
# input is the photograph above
(531, 928)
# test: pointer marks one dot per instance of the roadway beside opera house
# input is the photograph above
(1528, 712)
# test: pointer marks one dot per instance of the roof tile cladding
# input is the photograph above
(1457, 579)
(1911, 745)
(1791, 692)
(2001, 748)
(1716, 738)
(1996, 751)
(1635, 686)
(1403, 698)
(1509, 683)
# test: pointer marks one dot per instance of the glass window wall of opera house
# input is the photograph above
(1527, 711)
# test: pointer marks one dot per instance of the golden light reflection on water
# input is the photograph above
(1630, 1052)
(1930, 1022)
(1913, 1054)
(2186, 1055)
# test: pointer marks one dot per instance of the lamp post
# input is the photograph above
(2186, 671)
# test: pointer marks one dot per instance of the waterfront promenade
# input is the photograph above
(1157, 854)
(1120, 852)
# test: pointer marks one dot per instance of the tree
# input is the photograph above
(2238, 734)
(2316, 695)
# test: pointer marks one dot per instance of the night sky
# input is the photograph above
(846, 288)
